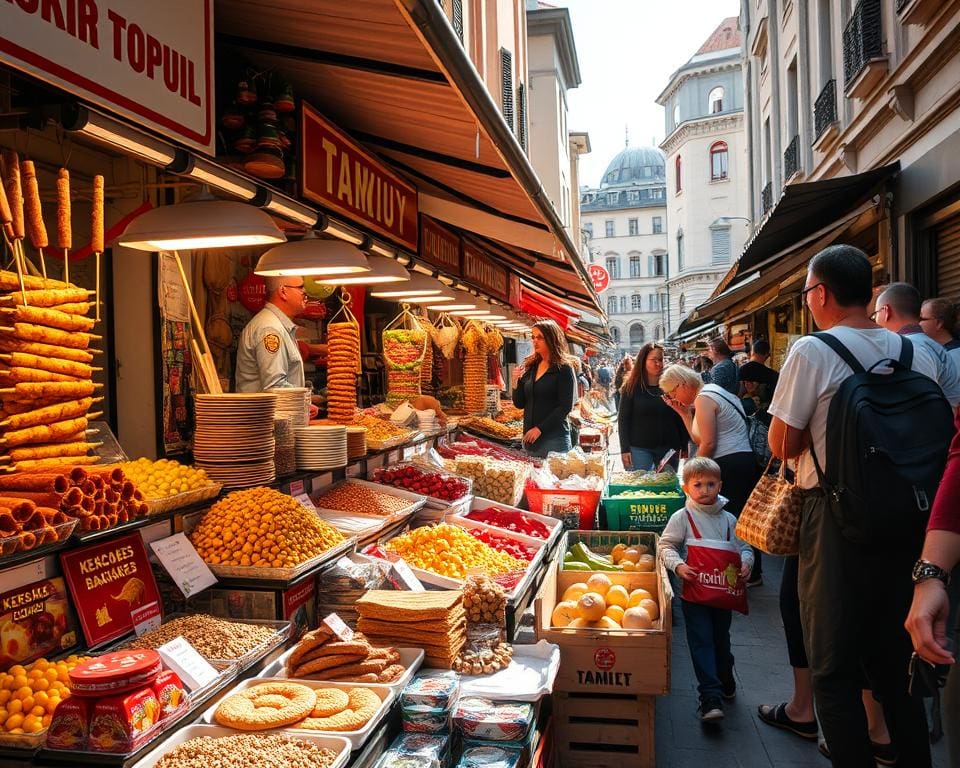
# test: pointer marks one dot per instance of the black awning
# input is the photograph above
(806, 208)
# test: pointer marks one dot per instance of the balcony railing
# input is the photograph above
(766, 197)
(862, 39)
(791, 158)
(825, 108)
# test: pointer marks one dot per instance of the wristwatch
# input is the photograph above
(924, 570)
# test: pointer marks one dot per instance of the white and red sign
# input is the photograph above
(148, 61)
(599, 276)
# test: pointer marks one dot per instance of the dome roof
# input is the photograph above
(635, 165)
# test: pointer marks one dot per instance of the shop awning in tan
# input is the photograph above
(394, 75)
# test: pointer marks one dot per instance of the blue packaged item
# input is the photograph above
(423, 719)
(489, 757)
(435, 747)
(433, 690)
(393, 759)
(487, 720)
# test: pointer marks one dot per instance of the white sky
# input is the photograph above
(627, 51)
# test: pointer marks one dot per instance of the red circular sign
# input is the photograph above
(253, 292)
(599, 276)
(605, 659)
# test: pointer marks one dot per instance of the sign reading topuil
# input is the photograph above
(147, 61)
(338, 174)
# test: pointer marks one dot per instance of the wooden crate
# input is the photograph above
(603, 730)
(635, 662)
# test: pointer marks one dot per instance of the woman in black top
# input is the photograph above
(648, 426)
(547, 392)
(623, 372)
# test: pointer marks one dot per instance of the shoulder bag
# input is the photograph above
(770, 520)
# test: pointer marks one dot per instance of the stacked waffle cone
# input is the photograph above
(343, 340)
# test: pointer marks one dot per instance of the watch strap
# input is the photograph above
(924, 570)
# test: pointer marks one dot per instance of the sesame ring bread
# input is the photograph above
(363, 704)
(329, 702)
(268, 705)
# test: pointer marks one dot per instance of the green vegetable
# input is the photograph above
(573, 565)
(581, 553)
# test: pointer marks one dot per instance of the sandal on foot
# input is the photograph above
(776, 715)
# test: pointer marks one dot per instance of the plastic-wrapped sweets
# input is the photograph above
(488, 757)
(416, 750)
(427, 701)
(488, 720)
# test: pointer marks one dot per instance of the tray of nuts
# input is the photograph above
(360, 497)
(224, 643)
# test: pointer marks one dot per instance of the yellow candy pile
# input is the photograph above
(450, 551)
(30, 694)
(264, 528)
(159, 479)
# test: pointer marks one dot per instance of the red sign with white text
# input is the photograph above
(108, 582)
(147, 61)
(485, 273)
(599, 276)
(339, 174)
(439, 246)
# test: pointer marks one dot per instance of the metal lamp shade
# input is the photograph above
(314, 257)
(382, 270)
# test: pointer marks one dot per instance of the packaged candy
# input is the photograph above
(493, 720)
(393, 759)
(434, 747)
(489, 757)
(434, 691)
(421, 719)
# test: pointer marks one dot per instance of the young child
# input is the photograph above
(700, 545)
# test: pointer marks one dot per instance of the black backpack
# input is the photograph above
(887, 440)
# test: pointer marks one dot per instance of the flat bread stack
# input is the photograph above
(435, 621)
(321, 656)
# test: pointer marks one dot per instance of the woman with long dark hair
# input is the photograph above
(648, 426)
(546, 389)
(619, 378)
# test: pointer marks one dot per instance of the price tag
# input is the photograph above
(323, 481)
(403, 578)
(306, 501)
(146, 618)
(194, 670)
(296, 488)
(335, 624)
(408, 452)
(354, 470)
(185, 566)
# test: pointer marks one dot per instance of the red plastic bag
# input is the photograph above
(717, 563)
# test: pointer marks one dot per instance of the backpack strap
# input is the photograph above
(906, 352)
(743, 415)
(845, 354)
(693, 525)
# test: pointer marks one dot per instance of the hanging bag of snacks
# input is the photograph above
(343, 363)
(448, 334)
(404, 345)
(474, 367)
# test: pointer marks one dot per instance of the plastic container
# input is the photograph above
(115, 673)
(553, 525)
(577, 509)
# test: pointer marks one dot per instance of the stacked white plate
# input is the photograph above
(234, 440)
(293, 402)
(321, 447)
(427, 421)
(356, 442)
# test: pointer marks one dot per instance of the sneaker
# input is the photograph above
(729, 689)
(710, 710)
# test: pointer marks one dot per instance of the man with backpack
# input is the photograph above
(860, 409)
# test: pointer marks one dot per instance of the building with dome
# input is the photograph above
(625, 222)
(708, 183)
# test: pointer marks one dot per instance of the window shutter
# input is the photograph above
(506, 87)
(948, 257)
(720, 245)
(458, 18)
(522, 115)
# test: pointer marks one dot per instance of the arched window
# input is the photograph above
(683, 305)
(613, 267)
(615, 335)
(716, 100)
(679, 175)
(636, 303)
(636, 335)
(611, 305)
(676, 114)
(718, 161)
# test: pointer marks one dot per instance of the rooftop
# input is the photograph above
(724, 37)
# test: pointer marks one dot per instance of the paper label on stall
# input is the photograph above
(193, 670)
(296, 488)
(335, 624)
(393, 457)
(306, 501)
(181, 561)
(146, 618)
(403, 578)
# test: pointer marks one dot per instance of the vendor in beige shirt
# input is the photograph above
(268, 355)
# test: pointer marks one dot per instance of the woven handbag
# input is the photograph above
(770, 520)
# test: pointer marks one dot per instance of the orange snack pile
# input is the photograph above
(450, 551)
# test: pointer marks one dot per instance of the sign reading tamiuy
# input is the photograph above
(148, 61)
(337, 173)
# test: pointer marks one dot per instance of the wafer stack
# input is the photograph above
(434, 621)
(343, 365)
(321, 656)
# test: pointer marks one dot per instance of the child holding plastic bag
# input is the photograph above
(700, 545)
